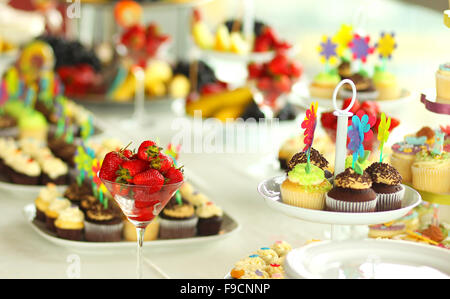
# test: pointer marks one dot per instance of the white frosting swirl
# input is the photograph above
(49, 193)
(59, 204)
(54, 167)
(209, 210)
(23, 164)
(71, 214)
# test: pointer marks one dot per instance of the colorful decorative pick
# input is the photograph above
(31, 96)
(343, 37)
(87, 128)
(383, 133)
(3, 92)
(356, 131)
(385, 46)
(83, 163)
(328, 52)
(12, 82)
(438, 142)
(173, 152)
(98, 186)
(360, 47)
(309, 124)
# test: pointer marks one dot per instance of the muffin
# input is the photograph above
(323, 85)
(305, 190)
(177, 220)
(45, 197)
(75, 192)
(288, 149)
(69, 224)
(443, 84)
(316, 158)
(386, 182)
(210, 218)
(351, 193)
(33, 125)
(55, 171)
(386, 84)
(151, 232)
(54, 208)
(22, 169)
(431, 172)
(402, 158)
(103, 224)
(365, 89)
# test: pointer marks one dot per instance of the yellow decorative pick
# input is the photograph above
(342, 38)
(421, 237)
(383, 133)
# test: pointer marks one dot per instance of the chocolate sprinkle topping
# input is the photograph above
(349, 177)
(316, 158)
(383, 172)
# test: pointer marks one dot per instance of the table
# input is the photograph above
(226, 177)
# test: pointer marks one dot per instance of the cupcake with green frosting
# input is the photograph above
(33, 125)
(386, 84)
(305, 188)
(15, 108)
(324, 84)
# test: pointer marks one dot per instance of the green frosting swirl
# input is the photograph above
(349, 162)
(32, 119)
(427, 156)
(383, 76)
(15, 108)
(299, 175)
(331, 77)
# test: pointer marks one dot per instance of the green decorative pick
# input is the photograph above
(178, 198)
(69, 134)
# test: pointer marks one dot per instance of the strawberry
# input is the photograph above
(129, 169)
(148, 150)
(211, 88)
(295, 69)
(279, 65)
(151, 178)
(110, 166)
(254, 70)
(174, 175)
(120, 190)
(134, 37)
(264, 83)
(262, 44)
(282, 83)
(128, 153)
(162, 163)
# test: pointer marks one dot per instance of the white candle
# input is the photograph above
(341, 130)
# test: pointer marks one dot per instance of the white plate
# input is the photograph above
(229, 226)
(28, 190)
(303, 99)
(382, 259)
(270, 191)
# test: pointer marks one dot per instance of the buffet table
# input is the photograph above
(229, 179)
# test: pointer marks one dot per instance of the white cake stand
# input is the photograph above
(341, 223)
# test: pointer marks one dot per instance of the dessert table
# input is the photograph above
(227, 178)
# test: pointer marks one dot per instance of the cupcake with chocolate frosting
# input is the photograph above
(365, 88)
(178, 219)
(103, 223)
(352, 192)
(386, 182)
(316, 159)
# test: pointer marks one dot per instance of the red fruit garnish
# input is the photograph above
(174, 175)
(255, 70)
(211, 88)
(134, 37)
(120, 190)
(279, 65)
(148, 150)
(129, 169)
(110, 166)
(152, 178)
(282, 83)
(128, 153)
(162, 163)
(264, 83)
(127, 13)
(296, 69)
(262, 44)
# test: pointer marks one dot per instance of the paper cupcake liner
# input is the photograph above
(403, 166)
(175, 229)
(390, 201)
(431, 180)
(350, 206)
(313, 200)
(95, 232)
(70, 234)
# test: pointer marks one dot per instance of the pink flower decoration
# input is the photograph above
(309, 124)
(360, 47)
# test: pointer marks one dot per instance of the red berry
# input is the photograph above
(152, 178)
(148, 150)
(174, 175)
(262, 44)
(129, 169)
(264, 83)
(282, 83)
(110, 166)
(254, 70)
(295, 69)
(162, 163)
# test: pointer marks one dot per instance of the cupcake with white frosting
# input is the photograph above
(70, 223)
(55, 207)
(210, 218)
(54, 170)
(23, 169)
(46, 195)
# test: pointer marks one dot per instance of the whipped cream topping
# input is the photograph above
(49, 193)
(54, 167)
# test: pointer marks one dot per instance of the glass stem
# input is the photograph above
(140, 240)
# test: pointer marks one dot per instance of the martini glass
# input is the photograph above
(141, 204)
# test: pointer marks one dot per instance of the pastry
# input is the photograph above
(365, 88)
(305, 189)
(288, 149)
(316, 159)
(431, 172)
(386, 182)
(352, 193)
(54, 208)
(103, 223)
(45, 197)
(55, 171)
(386, 84)
(443, 84)
(69, 224)
(210, 218)
(76, 192)
(402, 158)
(177, 220)
(22, 169)
(324, 85)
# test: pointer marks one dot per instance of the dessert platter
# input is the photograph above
(85, 216)
(346, 55)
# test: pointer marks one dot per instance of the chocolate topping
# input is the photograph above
(427, 132)
(362, 83)
(315, 158)
(98, 214)
(383, 173)
(352, 180)
(7, 121)
(352, 195)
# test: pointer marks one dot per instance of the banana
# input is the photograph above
(212, 103)
(125, 91)
(230, 112)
